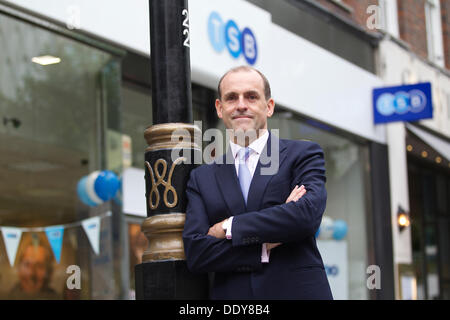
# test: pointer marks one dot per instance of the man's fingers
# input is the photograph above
(270, 246)
(297, 193)
(216, 231)
(300, 194)
(293, 193)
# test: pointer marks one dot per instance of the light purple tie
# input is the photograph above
(245, 178)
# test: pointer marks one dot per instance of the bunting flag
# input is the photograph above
(11, 238)
(92, 228)
(55, 237)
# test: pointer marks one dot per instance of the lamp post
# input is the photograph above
(163, 273)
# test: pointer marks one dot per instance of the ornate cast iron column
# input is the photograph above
(169, 158)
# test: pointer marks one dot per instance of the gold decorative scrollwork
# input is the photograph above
(160, 180)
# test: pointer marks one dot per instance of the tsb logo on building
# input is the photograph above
(227, 34)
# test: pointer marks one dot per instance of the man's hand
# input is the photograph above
(217, 230)
(296, 194)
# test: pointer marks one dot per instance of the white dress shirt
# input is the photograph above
(256, 148)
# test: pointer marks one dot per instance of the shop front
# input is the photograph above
(89, 112)
(55, 91)
(429, 193)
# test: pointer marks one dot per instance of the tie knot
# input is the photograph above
(243, 154)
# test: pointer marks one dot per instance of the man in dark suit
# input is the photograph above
(256, 231)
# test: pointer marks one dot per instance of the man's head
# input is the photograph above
(244, 101)
(35, 268)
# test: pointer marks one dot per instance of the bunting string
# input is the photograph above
(54, 233)
(66, 226)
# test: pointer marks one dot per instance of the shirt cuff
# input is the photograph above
(265, 255)
(228, 227)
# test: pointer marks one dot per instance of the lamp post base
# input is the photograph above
(169, 280)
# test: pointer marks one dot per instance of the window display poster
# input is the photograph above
(35, 274)
(334, 256)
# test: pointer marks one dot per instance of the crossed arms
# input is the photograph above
(206, 248)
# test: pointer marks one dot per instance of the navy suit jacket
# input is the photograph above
(295, 269)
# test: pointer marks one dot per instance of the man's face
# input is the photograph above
(243, 105)
(33, 269)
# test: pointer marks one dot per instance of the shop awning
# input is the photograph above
(440, 145)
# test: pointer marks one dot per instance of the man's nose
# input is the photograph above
(241, 104)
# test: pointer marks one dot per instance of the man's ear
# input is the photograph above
(219, 108)
(270, 107)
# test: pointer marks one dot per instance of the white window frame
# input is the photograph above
(390, 16)
(434, 32)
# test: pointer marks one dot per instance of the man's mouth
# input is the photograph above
(242, 117)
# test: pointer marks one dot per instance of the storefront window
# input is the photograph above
(428, 193)
(136, 117)
(345, 259)
(51, 133)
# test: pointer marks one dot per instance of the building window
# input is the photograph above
(50, 137)
(383, 14)
(136, 117)
(389, 17)
(345, 258)
(434, 32)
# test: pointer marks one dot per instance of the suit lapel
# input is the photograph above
(229, 182)
(229, 185)
(260, 182)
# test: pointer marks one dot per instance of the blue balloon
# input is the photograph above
(106, 185)
(340, 229)
(82, 194)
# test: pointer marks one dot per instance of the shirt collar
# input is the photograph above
(257, 145)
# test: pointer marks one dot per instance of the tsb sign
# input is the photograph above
(227, 34)
(403, 103)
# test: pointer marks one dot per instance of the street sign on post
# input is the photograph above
(402, 103)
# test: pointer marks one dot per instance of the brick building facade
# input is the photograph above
(412, 25)
(411, 17)
(445, 15)
(359, 13)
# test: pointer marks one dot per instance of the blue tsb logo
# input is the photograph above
(228, 35)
